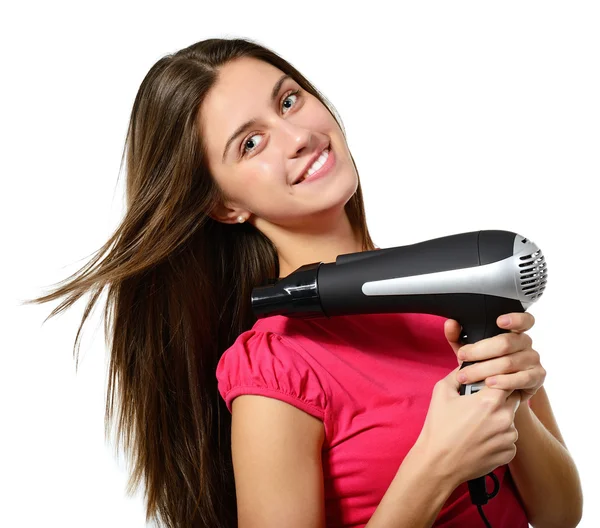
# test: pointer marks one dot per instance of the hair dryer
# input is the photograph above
(470, 277)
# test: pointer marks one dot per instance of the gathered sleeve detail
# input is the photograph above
(267, 364)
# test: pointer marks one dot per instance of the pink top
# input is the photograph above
(369, 378)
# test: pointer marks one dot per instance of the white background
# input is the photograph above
(460, 115)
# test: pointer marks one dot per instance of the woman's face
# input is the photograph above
(258, 168)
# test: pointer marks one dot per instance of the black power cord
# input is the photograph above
(489, 496)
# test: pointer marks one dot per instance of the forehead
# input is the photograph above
(242, 89)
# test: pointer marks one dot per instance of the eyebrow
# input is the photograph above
(241, 129)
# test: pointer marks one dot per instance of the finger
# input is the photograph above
(452, 330)
(522, 380)
(491, 347)
(449, 383)
(514, 400)
(508, 364)
(516, 322)
(497, 396)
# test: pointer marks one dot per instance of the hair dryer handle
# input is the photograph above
(472, 333)
(476, 333)
(477, 490)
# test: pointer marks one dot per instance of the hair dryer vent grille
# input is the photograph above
(533, 275)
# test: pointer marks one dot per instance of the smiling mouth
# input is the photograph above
(320, 166)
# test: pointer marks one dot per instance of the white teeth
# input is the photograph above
(317, 164)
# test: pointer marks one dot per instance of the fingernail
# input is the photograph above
(462, 378)
(461, 355)
(504, 320)
(492, 381)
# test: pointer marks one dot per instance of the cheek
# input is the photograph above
(265, 170)
(317, 119)
(255, 183)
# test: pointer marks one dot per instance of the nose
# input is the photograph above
(297, 139)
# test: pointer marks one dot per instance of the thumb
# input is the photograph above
(450, 382)
(452, 331)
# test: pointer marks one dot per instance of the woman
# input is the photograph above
(222, 194)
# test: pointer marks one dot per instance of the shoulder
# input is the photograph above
(264, 362)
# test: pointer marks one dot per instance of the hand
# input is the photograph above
(507, 361)
(467, 437)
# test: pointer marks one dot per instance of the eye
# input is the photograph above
(249, 139)
(291, 94)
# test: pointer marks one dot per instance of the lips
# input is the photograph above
(314, 157)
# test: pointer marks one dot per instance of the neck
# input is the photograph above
(319, 241)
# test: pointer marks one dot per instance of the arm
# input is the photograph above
(276, 451)
(543, 470)
(415, 496)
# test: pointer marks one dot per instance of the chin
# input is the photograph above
(333, 203)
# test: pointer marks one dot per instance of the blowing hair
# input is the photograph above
(178, 287)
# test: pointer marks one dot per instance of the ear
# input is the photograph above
(228, 213)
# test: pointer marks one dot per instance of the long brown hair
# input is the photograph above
(178, 290)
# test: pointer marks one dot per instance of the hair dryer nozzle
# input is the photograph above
(295, 296)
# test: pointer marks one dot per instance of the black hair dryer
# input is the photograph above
(470, 277)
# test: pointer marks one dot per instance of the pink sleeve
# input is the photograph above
(266, 364)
